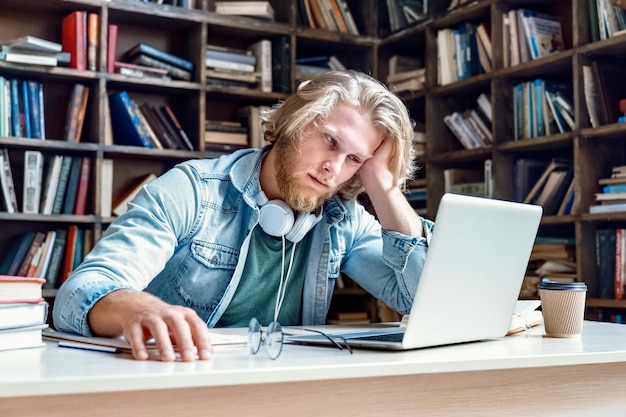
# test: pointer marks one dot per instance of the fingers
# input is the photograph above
(173, 328)
(191, 335)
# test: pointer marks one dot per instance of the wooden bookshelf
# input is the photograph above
(186, 32)
(593, 150)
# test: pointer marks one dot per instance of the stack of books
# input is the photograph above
(23, 312)
(612, 197)
(232, 67)
(405, 74)
(145, 56)
(332, 15)
(472, 127)
(34, 51)
(459, 55)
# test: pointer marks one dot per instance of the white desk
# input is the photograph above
(525, 374)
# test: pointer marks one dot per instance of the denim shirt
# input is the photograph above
(185, 236)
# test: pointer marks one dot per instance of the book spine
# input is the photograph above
(177, 126)
(160, 55)
(111, 47)
(620, 263)
(93, 27)
(72, 186)
(126, 124)
(52, 184)
(74, 38)
(30, 254)
(35, 110)
(83, 186)
(25, 110)
(33, 171)
(172, 71)
(15, 109)
(6, 181)
(56, 259)
(263, 52)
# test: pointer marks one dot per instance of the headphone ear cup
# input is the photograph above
(276, 218)
(304, 222)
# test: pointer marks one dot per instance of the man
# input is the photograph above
(197, 250)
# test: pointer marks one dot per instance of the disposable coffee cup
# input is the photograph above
(563, 307)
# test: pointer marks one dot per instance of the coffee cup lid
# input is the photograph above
(547, 284)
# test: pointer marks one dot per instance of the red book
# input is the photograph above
(83, 186)
(112, 48)
(20, 289)
(70, 251)
(74, 38)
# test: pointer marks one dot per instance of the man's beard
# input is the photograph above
(293, 194)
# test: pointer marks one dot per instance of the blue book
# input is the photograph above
(35, 110)
(15, 109)
(127, 127)
(151, 51)
(13, 259)
(614, 188)
(539, 111)
(26, 109)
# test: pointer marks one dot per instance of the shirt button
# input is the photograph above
(214, 260)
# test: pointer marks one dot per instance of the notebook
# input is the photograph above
(472, 276)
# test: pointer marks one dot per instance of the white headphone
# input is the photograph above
(277, 219)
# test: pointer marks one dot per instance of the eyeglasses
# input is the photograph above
(273, 338)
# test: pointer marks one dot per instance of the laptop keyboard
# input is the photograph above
(390, 337)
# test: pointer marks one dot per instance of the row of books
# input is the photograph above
(603, 89)
(332, 15)
(62, 190)
(542, 107)
(462, 52)
(611, 263)
(607, 18)
(404, 13)
(148, 125)
(612, 194)
(529, 35)
(22, 110)
(50, 255)
(472, 127)
(149, 61)
(23, 312)
(548, 183)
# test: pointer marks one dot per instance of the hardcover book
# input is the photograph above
(127, 129)
(168, 58)
(74, 38)
(14, 289)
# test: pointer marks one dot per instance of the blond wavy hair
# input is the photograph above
(315, 99)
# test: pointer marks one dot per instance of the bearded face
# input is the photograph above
(290, 177)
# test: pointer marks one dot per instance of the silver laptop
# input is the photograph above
(473, 272)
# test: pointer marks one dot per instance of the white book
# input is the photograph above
(25, 58)
(34, 43)
(33, 172)
(263, 51)
(52, 183)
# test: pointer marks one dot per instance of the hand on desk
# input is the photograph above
(139, 316)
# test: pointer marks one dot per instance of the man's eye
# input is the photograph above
(331, 140)
(354, 159)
